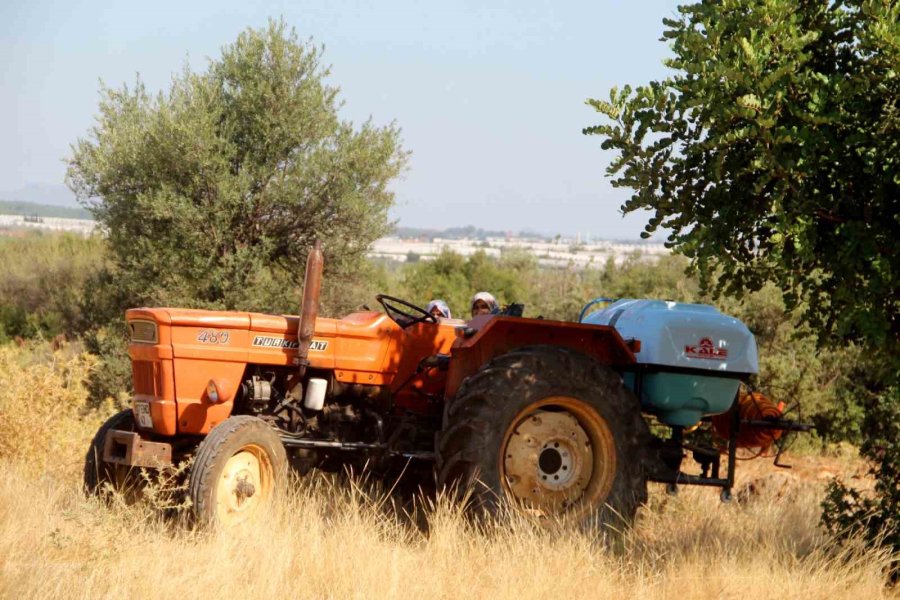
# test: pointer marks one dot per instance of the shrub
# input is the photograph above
(43, 283)
(110, 378)
(849, 513)
(46, 420)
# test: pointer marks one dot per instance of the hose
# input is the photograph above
(591, 303)
(751, 406)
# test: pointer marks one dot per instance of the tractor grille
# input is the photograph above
(147, 378)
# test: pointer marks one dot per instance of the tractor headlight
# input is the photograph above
(143, 332)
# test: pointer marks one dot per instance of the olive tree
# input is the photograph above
(211, 192)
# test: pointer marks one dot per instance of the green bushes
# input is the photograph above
(554, 293)
(110, 379)
(455, 278)
(828, 385)
(43, 283)
(850, 514)
(51, 284)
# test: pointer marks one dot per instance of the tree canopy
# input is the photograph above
(773, 153)
(211, 192)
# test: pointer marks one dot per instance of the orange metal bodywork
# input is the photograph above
(494, 336)
(365, 347)
(368, 348)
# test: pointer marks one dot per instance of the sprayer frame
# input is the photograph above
(675, 477)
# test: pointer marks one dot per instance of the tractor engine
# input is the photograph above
(331, 415)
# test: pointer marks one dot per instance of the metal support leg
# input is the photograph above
(732, 456)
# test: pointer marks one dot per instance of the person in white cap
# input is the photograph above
(484, 303)
(439, 309)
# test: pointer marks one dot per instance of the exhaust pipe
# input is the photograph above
(309, 309)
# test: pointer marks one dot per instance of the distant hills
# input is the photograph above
(32, 209)
(52, 194)
(49, 200)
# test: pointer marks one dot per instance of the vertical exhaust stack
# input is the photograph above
(309, 309)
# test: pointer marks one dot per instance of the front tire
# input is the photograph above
(236, 471)
(550, 430)
(102, 478)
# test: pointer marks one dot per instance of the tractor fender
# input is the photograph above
(488, 336)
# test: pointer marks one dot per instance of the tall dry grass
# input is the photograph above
(332, 540)
(45, 421)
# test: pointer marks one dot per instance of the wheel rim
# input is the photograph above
(558, 457)
(245, 485)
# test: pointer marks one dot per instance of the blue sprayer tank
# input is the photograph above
(692, 357)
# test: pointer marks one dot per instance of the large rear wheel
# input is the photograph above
(550, 430)
(236, 471)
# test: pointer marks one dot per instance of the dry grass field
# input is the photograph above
(333, 540)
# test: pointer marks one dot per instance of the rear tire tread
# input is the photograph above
(475, 422)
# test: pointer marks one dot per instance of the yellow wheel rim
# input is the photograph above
(558, 457)
(246, 484)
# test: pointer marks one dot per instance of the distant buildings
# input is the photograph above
(19, 222)
(558, 252)
(555, 253)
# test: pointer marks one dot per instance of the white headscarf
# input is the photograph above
(487, 298)
(441, 306)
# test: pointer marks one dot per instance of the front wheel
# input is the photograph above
(236, 471)
(550, 430)
(102, 478)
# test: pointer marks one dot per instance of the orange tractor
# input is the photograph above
(548, 415)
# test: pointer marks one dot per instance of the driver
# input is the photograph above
(484, 303)
(439, 309)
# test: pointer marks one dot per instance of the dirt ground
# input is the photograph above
(844, 463)
(760, 477)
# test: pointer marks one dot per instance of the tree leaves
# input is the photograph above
(212, 192)
(765, 145)
(786, 170)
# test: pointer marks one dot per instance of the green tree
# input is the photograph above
(455, 278)
(211, 192)
(772, 153)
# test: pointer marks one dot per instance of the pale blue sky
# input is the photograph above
(490, 95)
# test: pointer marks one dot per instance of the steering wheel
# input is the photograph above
(420, 314)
